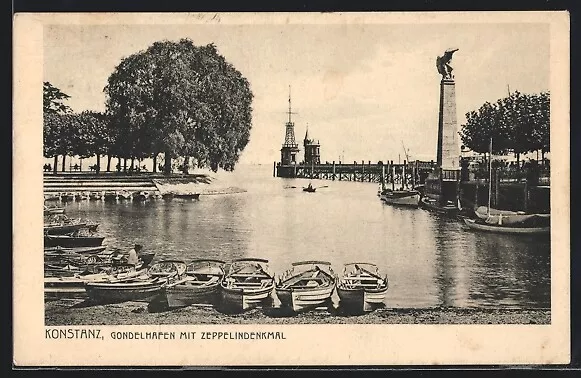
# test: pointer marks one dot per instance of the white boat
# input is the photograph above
(481, 225)
(307, 285)
(361, 287)
(404, 197)
(508, 218)
(246, 285)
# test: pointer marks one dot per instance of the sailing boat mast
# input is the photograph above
(489, 177)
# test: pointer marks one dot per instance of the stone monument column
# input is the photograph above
(448, 146)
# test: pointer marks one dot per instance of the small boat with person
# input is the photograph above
(246, 285)
(310, 188)
(306, 285)
(144, 287)
(199, 285)
(361, 287)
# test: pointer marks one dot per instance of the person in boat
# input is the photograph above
(133, 257)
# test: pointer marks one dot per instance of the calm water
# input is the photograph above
(429, 260)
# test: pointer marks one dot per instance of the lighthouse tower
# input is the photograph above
(290, 148)
(312, 149)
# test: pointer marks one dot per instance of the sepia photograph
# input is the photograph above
(231, 177)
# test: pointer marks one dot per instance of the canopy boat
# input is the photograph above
(309, 189)
(402, 197)
(200, 284)
(53, 210)
(124, 195)
(482, 225)
(509, 218)
(431, 204)
(143, 288)
(247, 284)
(74, 286)
(70, 241)
(307, 285)
(361, 287)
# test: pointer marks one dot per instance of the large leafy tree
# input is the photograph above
(93, 137)
(518, 123)
(182, 100)
(55, 123)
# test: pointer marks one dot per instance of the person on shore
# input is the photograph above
(133, 257)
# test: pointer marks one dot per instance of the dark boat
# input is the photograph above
(449, 208)
(76, 250)
(199, 285)
(307, 285)
(361, 287)
(246, 285)
(67, 197)
(143, 288)
(110, 196)
(187, 196)
(69, 241)
(141, 196)
(309, 189)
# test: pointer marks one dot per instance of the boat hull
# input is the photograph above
(243, 299)
(408, 201)
(305, 299)
(186, 295)
(64, 229)
(73, 242)
(120, 292)
(361, 299)
(507, 230)
(446, 210)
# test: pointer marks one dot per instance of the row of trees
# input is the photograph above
(174, 98)
(517, 124)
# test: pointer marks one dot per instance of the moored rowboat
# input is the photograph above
(517, 230)
(72, 241)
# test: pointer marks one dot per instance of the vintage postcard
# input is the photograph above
(291, 189)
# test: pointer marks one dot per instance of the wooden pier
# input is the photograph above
(408, 174)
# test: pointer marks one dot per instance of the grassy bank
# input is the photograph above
(77, 312)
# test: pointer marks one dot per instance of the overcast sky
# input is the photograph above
(362, 89)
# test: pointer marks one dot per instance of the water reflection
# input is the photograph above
(430, 260)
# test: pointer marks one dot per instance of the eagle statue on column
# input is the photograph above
(443, 64)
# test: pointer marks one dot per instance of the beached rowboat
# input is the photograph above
(307, 285)
(247, 284)
(199, 285)
(361, 287)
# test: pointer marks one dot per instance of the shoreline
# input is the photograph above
(76, 312)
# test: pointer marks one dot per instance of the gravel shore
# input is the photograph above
(78, 312)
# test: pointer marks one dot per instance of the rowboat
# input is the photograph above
(449, 208)
(200, 284)
(124, 195)
(110, 196)
(75, 250)
(69, 241)
(404, 197)
(306, 285)
(309, 189)
(246, 285)
(481, 225)
(361, 287)
(53, 210)
(142, 288)
(74, 286)
(52, 197)
(63, 227)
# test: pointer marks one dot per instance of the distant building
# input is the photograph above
(312, 150)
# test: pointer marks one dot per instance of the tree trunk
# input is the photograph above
(119, 164)
(167, 168)
(543, 156)
(518, 161)
(155, 163)
(132, 164)
(124, 165)
(64, 165)
(186, 168)
(98, 164)
(54, 166)
(108, 163)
